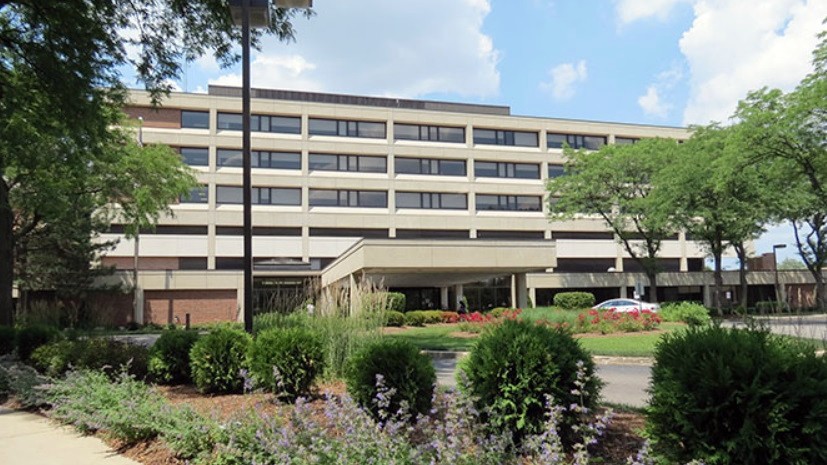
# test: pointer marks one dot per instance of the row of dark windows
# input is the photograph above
(287, 196)
(199, 156)
(402, 131)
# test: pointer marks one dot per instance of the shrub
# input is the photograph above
(574, 300)
(393, 318)
(23, 383)
(286, 361)
(450, 317)
(415, 318)
(396, 302)
(7, 339)
(398, 366)
(216, 360)
(610, 321)
(515, 365)
(190, 435)
(102, 354)
(32, 337)
(728, 396)
(169, 358)
(691, 313)
(426, 316)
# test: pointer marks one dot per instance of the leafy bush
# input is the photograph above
(393, 318)
(609, 321)
(169, 358)
(497, 312)
(515, 365)
(415, 318)
(7, 339)
(396, 302)
(728, 396)
(691, 313)
(216, 360)
(574, 300)
(126, 409)
(190, 435)
(426, 316)
(286, 361)
(23, 383)
(32, 337)
(450, 317)
(103, 354)
(395, 365)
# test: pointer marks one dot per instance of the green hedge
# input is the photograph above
(217, 360)
(691, 313)
(102, 354)
(32, 337)
(427, 317)
(730, 396)
(393, 318)
(574, 300)
(169, 358)
(286, 361)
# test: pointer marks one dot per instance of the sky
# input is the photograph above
(663, 62)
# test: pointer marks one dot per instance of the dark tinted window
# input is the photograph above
(197, 195)
(500, 137)
(261, 123)
(509, 202)
(195, 119)
(356, 163)
(195, 156)
(348, 198)
(429, 166)
(345, 128)
(428, 133)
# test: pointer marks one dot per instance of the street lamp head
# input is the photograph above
(294, 3)
(259, 12)
(779, 246)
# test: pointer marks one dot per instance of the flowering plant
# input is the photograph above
(475, 322)
(611, 321)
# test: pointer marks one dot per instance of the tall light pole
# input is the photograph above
(778, 292)
(247, 14)
(138, 314)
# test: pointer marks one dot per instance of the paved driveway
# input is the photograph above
(807, 326)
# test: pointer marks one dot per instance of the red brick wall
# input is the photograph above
(156, 118)
(203, 306)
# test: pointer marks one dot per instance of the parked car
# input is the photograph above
(627, 305)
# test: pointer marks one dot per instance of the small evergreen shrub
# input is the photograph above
(32, 337)
(574, 300)
(7, 339)
(56, 358)
(393, 318)
(516, 364)
(426, 316)
(169, 358)
(729, 396)
(216, 360)
(415, 318)
(286, 361)
(396, 302)
(395, 365)
(691, 313)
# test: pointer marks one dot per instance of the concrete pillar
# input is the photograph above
(239, 298)
(139, 305)
(458, 294)
(520, 291)
(623, 293)
(443, 298)
(532, 294)
(707, 296)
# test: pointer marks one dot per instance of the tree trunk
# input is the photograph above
(821, 290)
(653, 286)
(742, 275)
(719, 282)
(6, 257)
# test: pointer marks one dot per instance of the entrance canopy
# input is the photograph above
(439, 263)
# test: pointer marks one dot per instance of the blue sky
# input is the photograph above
(665, 62)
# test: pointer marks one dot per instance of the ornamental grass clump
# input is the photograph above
(731, 396)
(286, 361)
(514, 367)
(217, 360)
(397, 365)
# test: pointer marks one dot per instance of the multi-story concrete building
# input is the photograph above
(434, 199)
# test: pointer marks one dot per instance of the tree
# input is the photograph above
(790, 263)
(787, 134)
(615, 184)
(61, 94)
(714, 197)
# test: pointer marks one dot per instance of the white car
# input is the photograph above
(627, 305)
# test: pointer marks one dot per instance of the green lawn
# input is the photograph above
(438, 337)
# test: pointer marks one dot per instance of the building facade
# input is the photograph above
(437, 200)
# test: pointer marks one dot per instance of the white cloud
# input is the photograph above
(734, 46)
(633, 10)
(563, 79)
(651, 103)
(376, 47)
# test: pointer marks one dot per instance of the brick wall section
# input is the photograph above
(156, 118)
(203, 306)
(144, 263)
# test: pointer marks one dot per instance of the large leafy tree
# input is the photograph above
(615, 184)
(715, 197)
(61, 94)
(787, 134)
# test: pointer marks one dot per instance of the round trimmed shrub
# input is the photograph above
(401, 367)
(286, 361)
(216, 360)
(574, 300)
(7, 339)
(730, 396)
(32, 337)
(169, 358)
(415, 318)
(516, 365)
(393, 318)
(691, 313)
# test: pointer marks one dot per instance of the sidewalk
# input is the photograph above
(29, 439)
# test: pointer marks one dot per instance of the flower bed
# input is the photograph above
(475, 322)
(610, 321)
